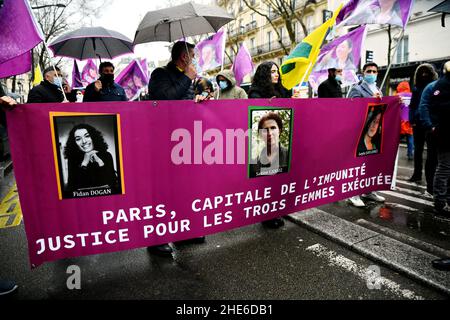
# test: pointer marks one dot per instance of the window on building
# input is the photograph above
(309, 24)
(269, 38)
(403, 50)
(252, 43)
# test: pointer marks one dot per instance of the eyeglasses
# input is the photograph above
(371, 71)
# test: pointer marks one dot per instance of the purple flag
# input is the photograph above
(341, 53)
(132, 79)
(76, 78)
(19, 34)
(243, 64)
(395, 12)
(18, 65)
(144, 67)
(89, 73)
(210, 51)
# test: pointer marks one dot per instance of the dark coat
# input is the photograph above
(330, 88)
(47, 92)
(169, 83)
(259, 93)
(439, 109)
(113, 92)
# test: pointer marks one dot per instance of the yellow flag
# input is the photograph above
(37, 76)
(299, 64)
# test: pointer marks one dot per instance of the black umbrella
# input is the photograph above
(189, 19)
(92, 42)
(443, 7)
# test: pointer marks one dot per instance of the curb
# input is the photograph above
(397, 255)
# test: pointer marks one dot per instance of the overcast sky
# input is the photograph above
(124, 16)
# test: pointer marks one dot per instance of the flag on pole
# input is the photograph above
(76, 77)
(357, 12)
(19, 34)
(18, 65)
(211, 50)
(89, 73)
(342, 53)
(38, 78)
(132, 79)
(298, 65)
(144, 67)
(243, 64)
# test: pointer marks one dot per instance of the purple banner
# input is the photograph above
(89, 73)
(211, 50)
(157, 172)
(132, 79)
(18, 65)
(357, 12)
(76, 77)
(341, 53)
(18, 30)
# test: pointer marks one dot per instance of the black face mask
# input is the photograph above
(107, 79)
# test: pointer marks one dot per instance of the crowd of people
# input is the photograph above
(429, 117)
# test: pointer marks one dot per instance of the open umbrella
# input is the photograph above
(443, 7)
(91, 42)
(181, 21)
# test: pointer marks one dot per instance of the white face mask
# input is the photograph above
(58, 81)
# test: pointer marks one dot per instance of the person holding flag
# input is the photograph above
(49, 90)
(299, 64)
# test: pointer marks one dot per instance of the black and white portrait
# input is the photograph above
(88, 155)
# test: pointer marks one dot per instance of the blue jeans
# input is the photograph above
(410, 144)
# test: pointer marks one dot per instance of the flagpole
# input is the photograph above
(304, 76)
(392, 58)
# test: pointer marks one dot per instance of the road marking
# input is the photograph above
(10, 212)
(406, 168)
(397, 205)
(405, 197)
(413, 192)
(361, 272)
(411, 184)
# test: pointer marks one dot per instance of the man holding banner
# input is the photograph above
(367, 89)
(49, 90)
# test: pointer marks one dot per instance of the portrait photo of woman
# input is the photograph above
(270, 145)
(88, 165)
(371, 138)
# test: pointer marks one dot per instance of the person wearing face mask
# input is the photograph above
(105, 89)
(331, 88)
(367, 88)
(227, 86)
(49, 90)
(174, 81)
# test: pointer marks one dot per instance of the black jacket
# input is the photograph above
(330, 88)
(169, 83)
(46, 92)
(259, 93)
(113, 92)
(440, 111)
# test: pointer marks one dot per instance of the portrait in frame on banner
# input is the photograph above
(87, 155)
(371, 138)
(270, 141)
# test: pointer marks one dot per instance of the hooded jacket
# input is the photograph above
(417, 93)
(232, 91)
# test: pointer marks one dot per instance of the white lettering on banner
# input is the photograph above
(70, 241)
(136, 214)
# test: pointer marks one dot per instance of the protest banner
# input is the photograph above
(96, 178)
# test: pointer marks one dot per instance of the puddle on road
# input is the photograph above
(416, 220)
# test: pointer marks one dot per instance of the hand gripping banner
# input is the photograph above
(96, 178)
